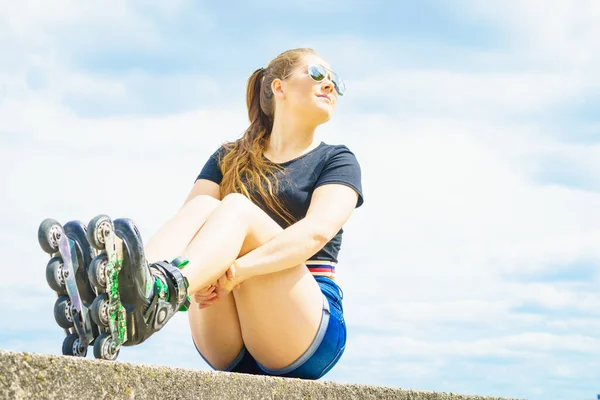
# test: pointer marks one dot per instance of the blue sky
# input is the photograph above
(472, 266)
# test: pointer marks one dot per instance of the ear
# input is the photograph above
(277, 88)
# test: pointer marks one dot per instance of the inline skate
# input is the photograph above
(134, 299)
(67, 274)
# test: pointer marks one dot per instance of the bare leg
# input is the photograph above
(216, 331)
(217, 328)
(218, 244)
(175, 236)
(279, 313)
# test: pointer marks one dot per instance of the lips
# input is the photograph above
(324, 96)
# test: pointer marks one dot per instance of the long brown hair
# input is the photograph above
(245, 169)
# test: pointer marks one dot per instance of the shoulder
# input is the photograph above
(335, 148)
(212, 166)
(340, 166)
(337, 152)
(222, 151)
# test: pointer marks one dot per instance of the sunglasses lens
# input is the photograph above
(339, 84)
(317, 72)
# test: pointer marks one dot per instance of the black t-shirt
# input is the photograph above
(300, 177)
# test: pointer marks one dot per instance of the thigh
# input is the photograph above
(216, 331)
(279, 313)
(175, 235)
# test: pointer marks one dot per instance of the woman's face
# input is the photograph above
(312, 99)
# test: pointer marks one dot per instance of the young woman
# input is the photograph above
(262, 229)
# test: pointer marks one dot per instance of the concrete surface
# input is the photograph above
(48, 377)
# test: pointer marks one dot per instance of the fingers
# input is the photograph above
(209, 301)
(230, 272)
(208, 298)
(206, 302)
(205, 294)
(199, 297)
(208, 289)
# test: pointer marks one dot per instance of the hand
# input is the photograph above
(229, 280)
(206, 296)
(225, 284)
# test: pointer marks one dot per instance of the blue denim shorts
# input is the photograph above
(323, 353)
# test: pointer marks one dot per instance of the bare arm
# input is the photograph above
(331, 206)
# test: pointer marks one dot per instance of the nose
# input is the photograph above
(327, 85)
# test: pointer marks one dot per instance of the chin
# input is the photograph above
(322, 117)
(317, 114)
(323, 114)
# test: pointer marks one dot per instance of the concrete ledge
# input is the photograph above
(47, 377)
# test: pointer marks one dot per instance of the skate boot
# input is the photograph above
(136, 299)
(67, 274)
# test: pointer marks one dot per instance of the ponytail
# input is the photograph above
(257, 100)
(245, 169)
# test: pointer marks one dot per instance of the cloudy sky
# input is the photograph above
(472, 266)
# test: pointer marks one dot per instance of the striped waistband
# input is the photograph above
(321, 268)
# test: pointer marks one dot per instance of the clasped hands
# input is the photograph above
(209, 295)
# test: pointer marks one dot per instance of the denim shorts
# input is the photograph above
(323, 353)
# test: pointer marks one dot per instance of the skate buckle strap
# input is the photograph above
(180, 262)
(178, 280)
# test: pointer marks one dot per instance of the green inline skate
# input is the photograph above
(134, 300)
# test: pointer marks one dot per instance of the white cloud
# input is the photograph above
(457, 208)
(560, 35)
(531, 345)
(38, 23)
(453, 221)
(485, 96)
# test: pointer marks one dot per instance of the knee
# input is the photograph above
(202, 202)
(238, 206)
(236, 201)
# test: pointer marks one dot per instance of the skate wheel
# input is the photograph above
(97, 272)
(105, 348)
(72, 346)
(98, 228)
(54, 275)
(99, 310)
(63, 313)
(49, 234)
(77, 231)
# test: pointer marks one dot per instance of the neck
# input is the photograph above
(290, 138)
